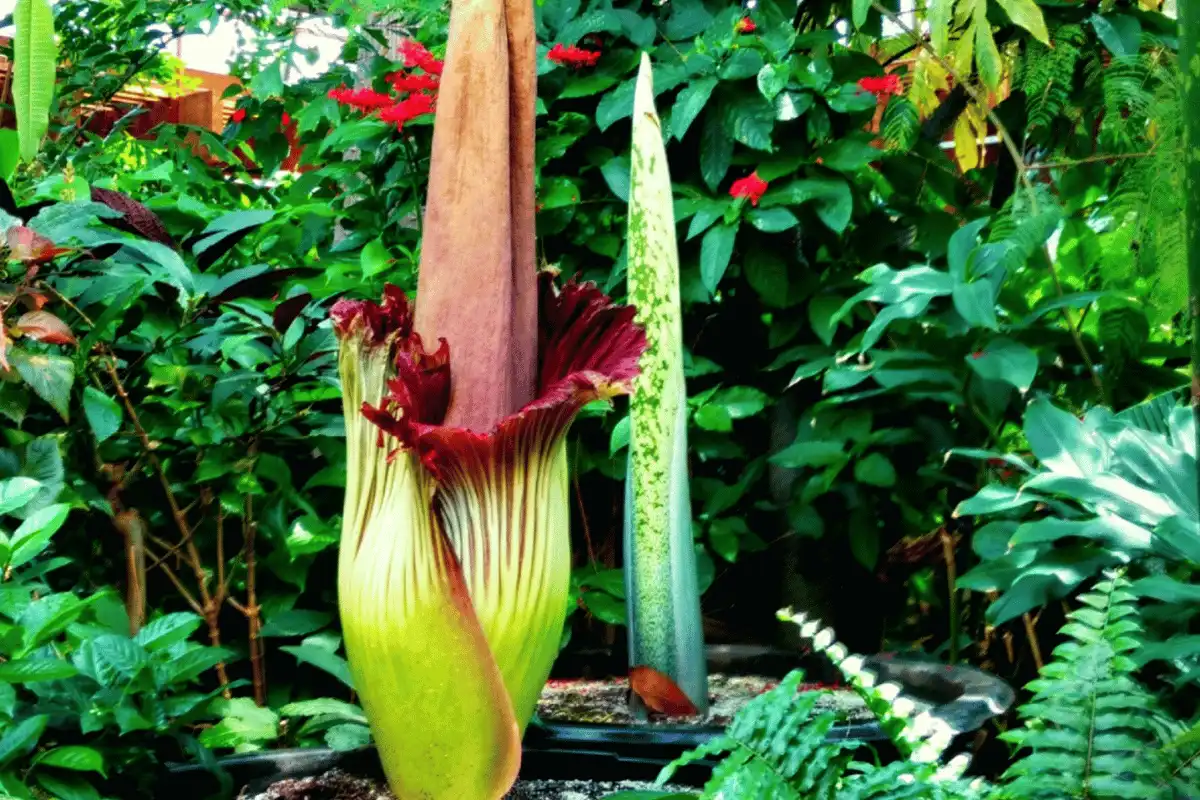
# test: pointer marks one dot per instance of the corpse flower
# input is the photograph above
(454, 564)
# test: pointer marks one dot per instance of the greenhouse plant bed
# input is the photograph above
(585, 760)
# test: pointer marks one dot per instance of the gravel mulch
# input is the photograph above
(606, 701)
(336, 785)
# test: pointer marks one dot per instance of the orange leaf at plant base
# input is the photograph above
(29, 246)
(660, 693)
(42, 326)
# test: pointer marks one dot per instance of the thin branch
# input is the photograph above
(1034, 646)
(1089, 160)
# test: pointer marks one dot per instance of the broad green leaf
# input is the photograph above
(616, 174)
(32, 536)
(767, 272)
(742, 63)
(820, 316)
(1167, 590)
(689, 103)
(48, 616)
(65, 786)
(940, 13)
(169, 629)
(322, 659)
(715, 251)
(72, 757)
(620, 436)
(242, 722)
(1113, 531)
(374, 258)
(1028, 15)
(1120, 33)
(194, 662)
(817, 453)
(325, 707)
(31, 670)
(741, 401)
(616, 105)
(16, 492)
(876, 469)
(110, 657)
(773, 79)
(750, 119)
(103, 414)
(1007, 361)
(835, 203)
(714, 418)
(1061, 442)
(10, 155)
(994, 498)
(772, 220)
(976, 304)
(35, 59)
(347, 737)
(849, 154)
(987, 55)
(295, 623)
(864, 541)
(50, 377)
(22, 738)
(859, 12)
(716, 151)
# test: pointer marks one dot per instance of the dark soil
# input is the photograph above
(607, 701)
(336, 785)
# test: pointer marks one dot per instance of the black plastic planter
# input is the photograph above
(964, 697)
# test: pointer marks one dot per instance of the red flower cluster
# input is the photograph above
(882, 85)
(238, 116)
(751, 187)
(415, 54)
(573, 56)
(407, 82)
(745, 25)
(419, 88)
(414, 106)
(362, 99)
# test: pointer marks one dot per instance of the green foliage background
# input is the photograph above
(875, 310)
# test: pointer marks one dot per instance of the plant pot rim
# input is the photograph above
(635, 750)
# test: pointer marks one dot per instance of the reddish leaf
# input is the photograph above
(135, 217)
(42, 326)
(25, 244)
(660, 693)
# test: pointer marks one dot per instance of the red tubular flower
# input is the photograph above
(239, 115)
(406, 82)
(286, 119)
(745, 25)
(573, 56)
(751, 187)
(415, 54)
(882, 85)
(362, 99)
(416, 105)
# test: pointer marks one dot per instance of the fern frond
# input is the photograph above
(1089, 730)
(1047, 76)
(901, 124)
(775, 747)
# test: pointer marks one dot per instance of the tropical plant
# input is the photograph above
(1105, 492)
(662, 595)
(85, 703)
(454, 562)
(35, 58)
(1091, 730)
